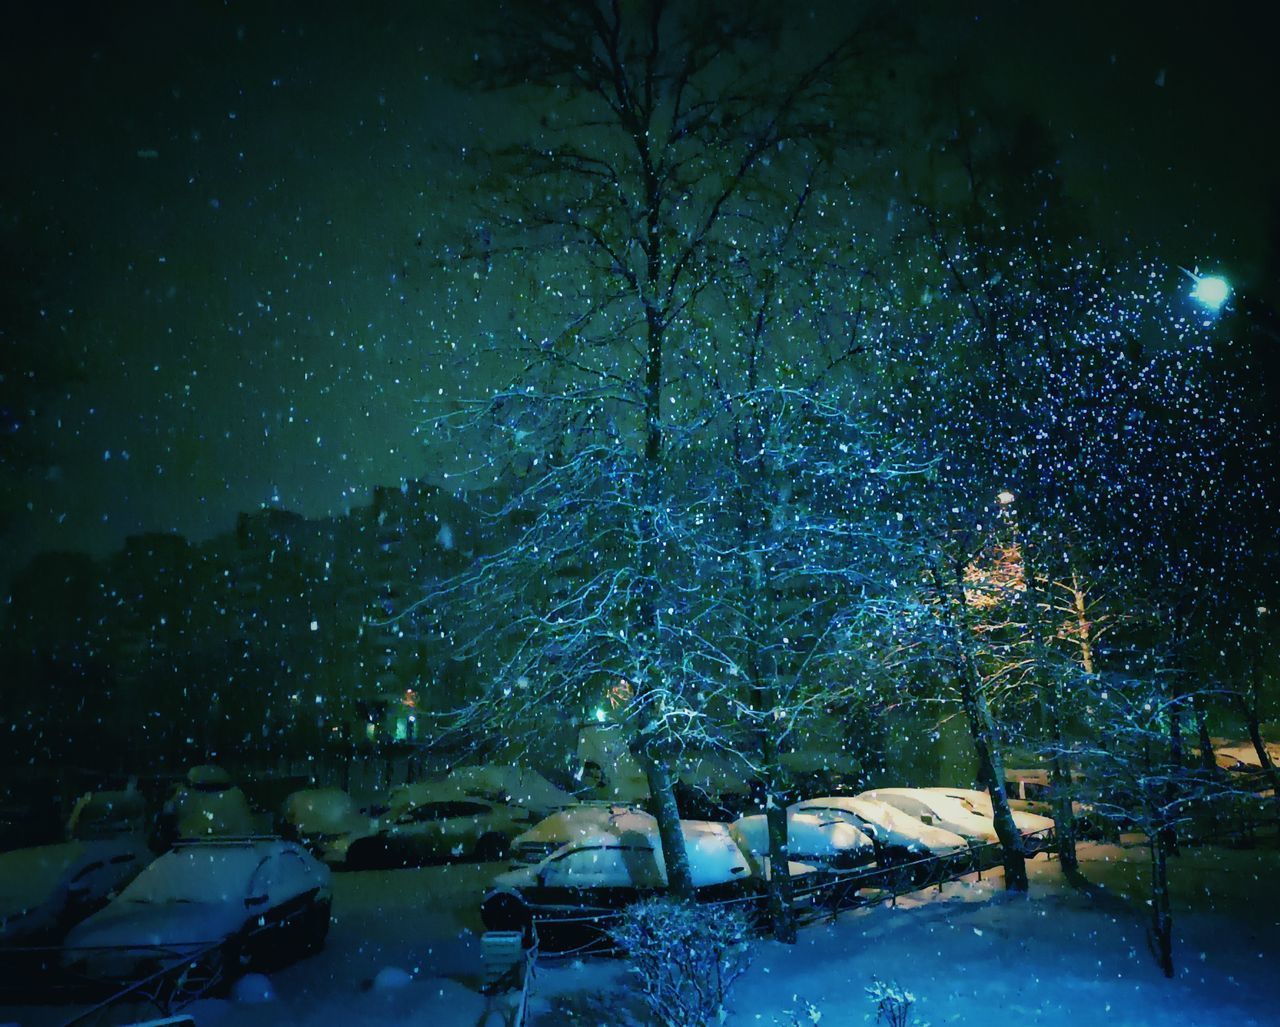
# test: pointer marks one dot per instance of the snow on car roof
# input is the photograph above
(807, 833)
(869, 809)
(319, 809)
(524, 786)
(423, 792)
(581, 821)
(201, 873)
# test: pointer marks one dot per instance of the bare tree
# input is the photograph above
(668, 134)
(1133, 780)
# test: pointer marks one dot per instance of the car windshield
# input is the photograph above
(196, 874)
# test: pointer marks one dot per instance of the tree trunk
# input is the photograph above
(1207, 760)
(1060, 778)
(1252, 716)
(991, 771)
(982, 730)
(662, 794)
(1177, 755)
(781, 916)
(1083, 625)
(1161, 913)
(1059, 772)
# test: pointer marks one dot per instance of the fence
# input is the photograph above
(177, 977)
(823, 899)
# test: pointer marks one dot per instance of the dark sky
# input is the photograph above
(221, 218)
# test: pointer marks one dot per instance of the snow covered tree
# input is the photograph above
(669, 134)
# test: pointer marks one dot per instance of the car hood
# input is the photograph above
(157, 923)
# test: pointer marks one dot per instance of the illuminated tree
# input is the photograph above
(670, 136)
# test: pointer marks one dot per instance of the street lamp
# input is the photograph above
(1005, 498)
(1210, 291)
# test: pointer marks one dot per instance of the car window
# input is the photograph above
(912, 806)
(608, 866)
(423, 814)
(443, 811)
(468, 809)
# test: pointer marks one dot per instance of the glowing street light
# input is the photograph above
(1210, 291)
(1005, 498)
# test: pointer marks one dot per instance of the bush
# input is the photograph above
(686, 956)
(893, 1003)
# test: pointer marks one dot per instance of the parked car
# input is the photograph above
(46, 889)
(511, 786)
(205, 805)
(1031, 791)
(939, 810)
(220, 907)
(108, 814)
(435, 825)
(586, 818)
(1242, 762)
(711, 788)
(325, 820)
(821, 771)
(605, 870)
(899, 839)
(821, 840)
(1036, 831)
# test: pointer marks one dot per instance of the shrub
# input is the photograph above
(687, 957)
(893, 1003)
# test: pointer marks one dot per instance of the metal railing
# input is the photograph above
(821, 900)
(183, 975)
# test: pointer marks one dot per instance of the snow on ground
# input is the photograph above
(974, 955)
(971, 954)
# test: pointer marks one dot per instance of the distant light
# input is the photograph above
(1211, 291)
(600, 714)
(1005, 498)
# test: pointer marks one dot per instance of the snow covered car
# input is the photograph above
(1036, 831)
(108, 814)
(46, 889)
(900, 840)
(325, 820)
(1244, 764)
(437, 825)
(540, 841)
(602, 871)
(825, 841)
(1031, 791)
(219, 907)
(206, 805)
(511, 786)
(940, 810)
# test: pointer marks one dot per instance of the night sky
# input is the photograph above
(221, 221)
